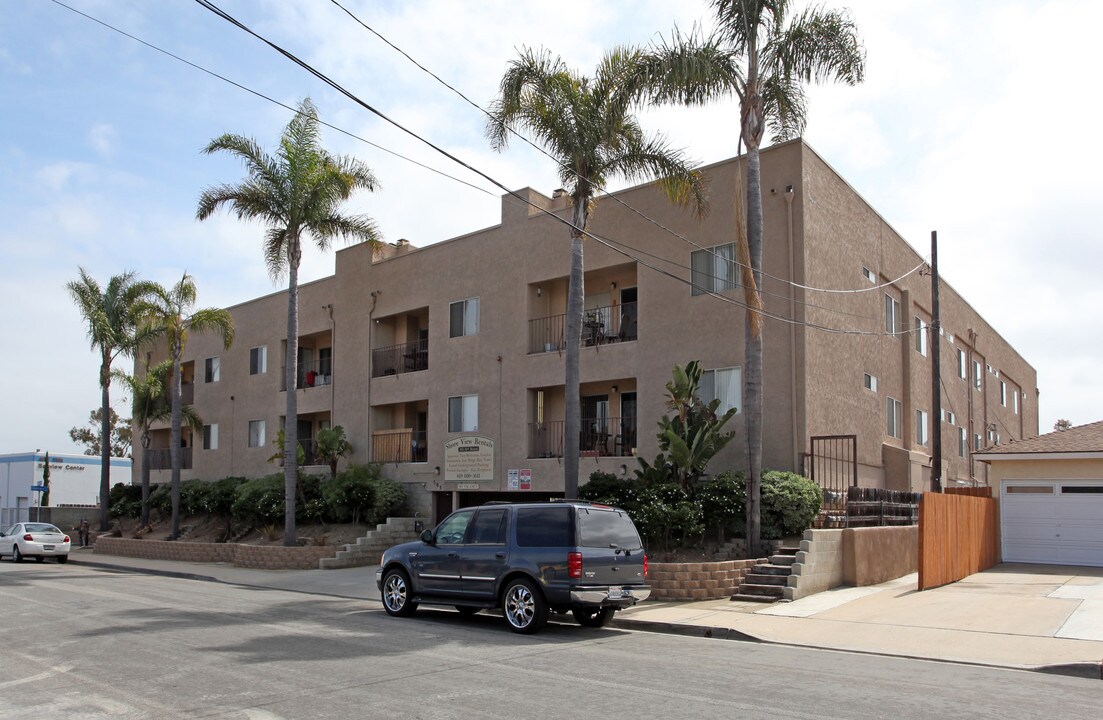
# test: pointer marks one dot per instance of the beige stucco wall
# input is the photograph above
(1044, 469)
(852, 556)
(812, 379)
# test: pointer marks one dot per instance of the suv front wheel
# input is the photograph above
(524, 607)
(396, 594)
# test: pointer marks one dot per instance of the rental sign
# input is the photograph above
(469, 459)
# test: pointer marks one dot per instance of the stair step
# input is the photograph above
(783, 559)
(769, 569)
(758, 579)
(740, 597)
(787, 551)
(775, 591)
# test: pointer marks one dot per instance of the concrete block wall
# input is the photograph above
(819, 564)
(698, 581)
(268, 557)
(852, 556)
(368, 549)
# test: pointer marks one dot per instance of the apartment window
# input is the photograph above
(895, 417)
(1015, 401)
(976, 374)
(870, 382)
(868, 275)
(258, 360)
(921, 428)
(961, 364)
(713, 269)
(463, 413)
(892, 315)
(977, 442)
(950, 417)
(962, 443)
(921, 337)
(256, 433)
(463, 318)
(724, 384)
(210, 437)
(1003, 393)
(210, 369)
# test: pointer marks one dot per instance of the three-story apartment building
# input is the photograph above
(445, 362)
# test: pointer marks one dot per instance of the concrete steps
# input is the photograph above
(766, 582)
(368, 549)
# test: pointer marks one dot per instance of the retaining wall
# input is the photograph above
(852, 556)
(267, 557)
(697, 581)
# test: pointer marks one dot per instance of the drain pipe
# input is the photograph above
(792, 330)
(371, 325)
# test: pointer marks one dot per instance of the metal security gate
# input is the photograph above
(833, 465)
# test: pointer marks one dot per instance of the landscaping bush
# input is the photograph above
(160, 499)
(361, 494)
(790, 503)
(220, 496)
(310, 508)
(723, 502)
(259, 502)
(193, 497)
(125, 501)
(608, 489)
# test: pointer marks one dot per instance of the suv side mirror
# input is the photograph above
(427, 537)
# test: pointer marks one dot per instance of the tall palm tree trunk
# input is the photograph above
(753, 353)
(145, 475)
(291, 419)
(572, 421)
(105, 439)
(175, 435)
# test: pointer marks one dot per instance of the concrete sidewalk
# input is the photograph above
(1030, 617)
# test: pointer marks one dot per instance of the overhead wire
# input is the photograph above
(601, 188)
(270, 99)
(512, 195)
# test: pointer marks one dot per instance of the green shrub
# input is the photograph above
(667, 515)
(220, 496)
(160, 499)
(790, 503)
(723, 501)
(309, 506)
(362, 494)
(608, 489)
(193, 497)
(125, 501)
(259, 502)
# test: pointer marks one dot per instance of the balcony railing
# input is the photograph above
(160, 459)
(615, 323)
(599, 437)
(401, 445)
(398, 359)
(308, 377)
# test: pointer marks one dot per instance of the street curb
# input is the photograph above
(1088, 670)
(143, 570)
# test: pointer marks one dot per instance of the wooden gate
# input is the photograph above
(833, 465)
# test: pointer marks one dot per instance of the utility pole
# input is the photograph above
(936, 371)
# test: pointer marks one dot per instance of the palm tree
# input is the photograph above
(113, 329)
(297, 194)
(150, 403)
(764, 57)
(169, 312)
(587, 125)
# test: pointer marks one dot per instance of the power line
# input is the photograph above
(268, 98)
(600, 188)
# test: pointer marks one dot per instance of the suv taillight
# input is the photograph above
(645, 565)
(574, 565)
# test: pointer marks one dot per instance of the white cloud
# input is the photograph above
(102, 138)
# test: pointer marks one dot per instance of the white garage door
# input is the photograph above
(1052, 521)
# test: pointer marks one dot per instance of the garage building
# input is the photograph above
(1051, 496)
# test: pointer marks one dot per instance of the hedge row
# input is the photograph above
(360, 494)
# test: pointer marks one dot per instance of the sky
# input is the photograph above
(974, 120)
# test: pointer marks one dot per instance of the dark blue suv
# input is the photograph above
(525, 558)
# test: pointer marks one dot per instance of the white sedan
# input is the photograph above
(37, 540)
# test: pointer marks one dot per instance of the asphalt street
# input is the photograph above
(90, 643)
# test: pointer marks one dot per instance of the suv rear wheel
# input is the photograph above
(396, 594)
(593, 618)
(524, 607)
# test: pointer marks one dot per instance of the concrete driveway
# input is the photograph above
(1014, 615)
